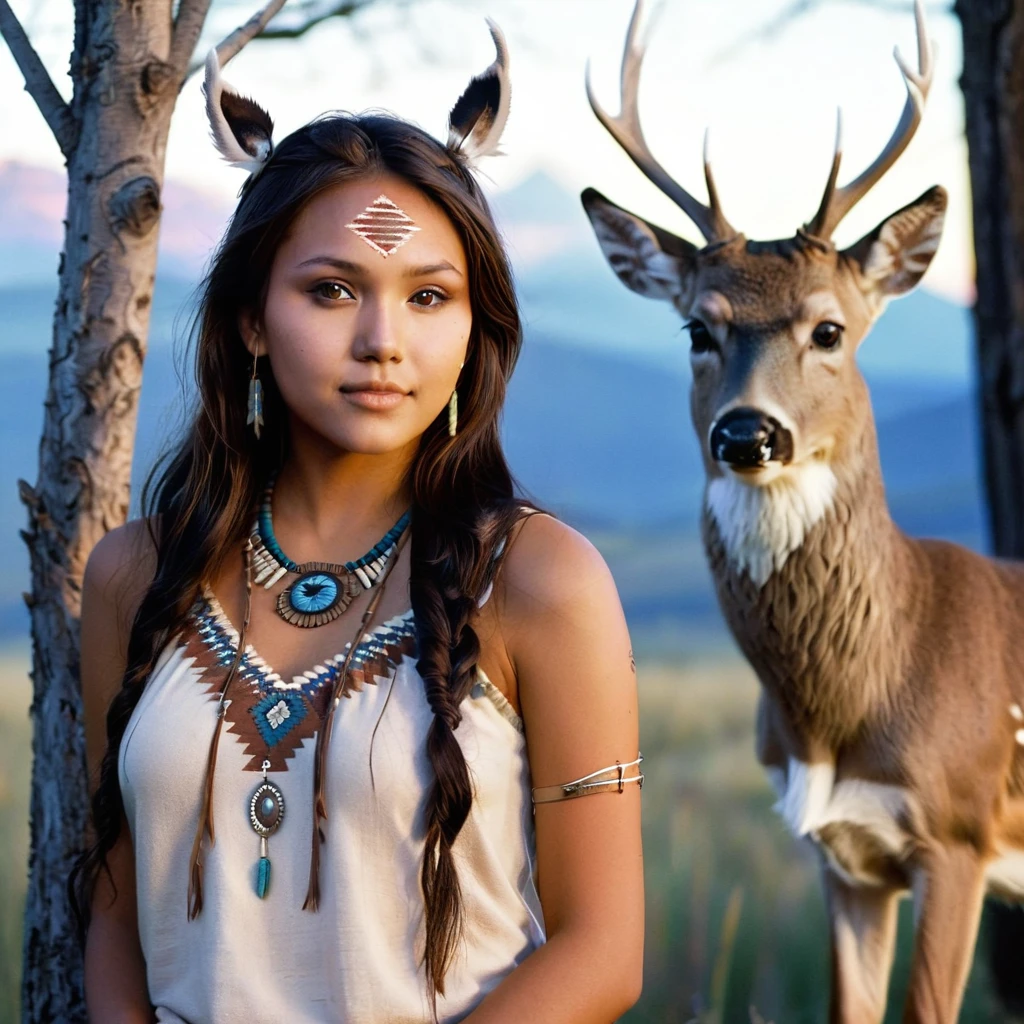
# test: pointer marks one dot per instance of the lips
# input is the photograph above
(374, 395)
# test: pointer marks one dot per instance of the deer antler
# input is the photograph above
(626, 131)
(837, 203)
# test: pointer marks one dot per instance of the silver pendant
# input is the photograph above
(266, 812)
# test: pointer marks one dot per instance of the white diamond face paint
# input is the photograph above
(384, 226)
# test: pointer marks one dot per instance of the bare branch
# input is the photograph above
(38, 83)
(311, 13)
(767, 31)
(244, 34)
(187, 27)
(796, 10)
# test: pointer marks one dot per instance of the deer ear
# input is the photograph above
(647, 259)
(242, 130)
(478, 118)
(893, 258)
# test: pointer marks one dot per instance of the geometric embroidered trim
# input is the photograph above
(270, 717)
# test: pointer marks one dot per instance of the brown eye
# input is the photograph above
(700, 337)
(427, 297)
(827, 335)
(332, 290)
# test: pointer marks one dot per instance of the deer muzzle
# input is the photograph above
(747, 438)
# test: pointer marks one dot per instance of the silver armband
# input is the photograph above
(614, 776)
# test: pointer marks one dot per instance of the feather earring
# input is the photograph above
(254, 414)
(478, 118)
(453, 413)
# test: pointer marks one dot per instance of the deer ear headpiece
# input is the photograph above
(242, 130)
(478, 118)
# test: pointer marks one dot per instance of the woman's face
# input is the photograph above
(366, 349)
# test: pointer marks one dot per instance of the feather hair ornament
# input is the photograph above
(242, 130)
(478, 118)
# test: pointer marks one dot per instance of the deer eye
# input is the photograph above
(827, 335)
(700, 337)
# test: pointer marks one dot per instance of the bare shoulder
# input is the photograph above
(556, 592)
(117, 576)
(551, 565)
(125, 552)
(568, 643)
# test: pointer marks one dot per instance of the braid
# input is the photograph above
(448, 653)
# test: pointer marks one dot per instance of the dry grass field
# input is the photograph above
(15, 771)
(734, 916)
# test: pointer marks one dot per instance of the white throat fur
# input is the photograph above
(761, 527)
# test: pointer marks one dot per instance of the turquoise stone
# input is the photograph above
(314, 592)
(263, 877)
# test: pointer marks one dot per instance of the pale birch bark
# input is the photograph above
(128, 65)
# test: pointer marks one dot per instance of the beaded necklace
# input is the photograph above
(324, 589)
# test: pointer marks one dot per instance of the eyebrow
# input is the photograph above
(358, 268)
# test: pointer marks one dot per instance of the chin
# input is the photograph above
(374, 439)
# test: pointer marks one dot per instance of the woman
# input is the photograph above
(304, 835)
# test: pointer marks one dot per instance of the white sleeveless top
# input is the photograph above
(358, 960)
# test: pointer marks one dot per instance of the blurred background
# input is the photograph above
(597, 425)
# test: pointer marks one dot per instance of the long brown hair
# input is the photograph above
(200, 499)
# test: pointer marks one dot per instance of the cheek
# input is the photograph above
(299, 336)
(701, 400)
(440, 347)
(707, 375)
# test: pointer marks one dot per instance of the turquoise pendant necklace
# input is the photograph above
(266, 812)
(324, 589)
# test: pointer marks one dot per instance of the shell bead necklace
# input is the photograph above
(324, 589)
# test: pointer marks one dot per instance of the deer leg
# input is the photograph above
(862, 920)
(949, 889)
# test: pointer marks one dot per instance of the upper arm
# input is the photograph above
(117, 575)
(567, 639)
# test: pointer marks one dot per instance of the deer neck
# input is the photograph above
(811, 574)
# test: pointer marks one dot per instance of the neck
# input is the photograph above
(810, 575)
(335, 505)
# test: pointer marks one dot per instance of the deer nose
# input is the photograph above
(749, 438)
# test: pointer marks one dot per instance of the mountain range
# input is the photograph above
(596, 423)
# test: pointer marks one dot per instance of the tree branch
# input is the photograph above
(38, 83)
(312, 14)
(797, 9)
(244, 34)
(187, 27)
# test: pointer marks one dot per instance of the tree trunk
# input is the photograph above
(993, 89)
(126, 85)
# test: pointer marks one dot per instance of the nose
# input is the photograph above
(376, 335)
(747, 438)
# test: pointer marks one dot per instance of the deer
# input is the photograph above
(891, 669)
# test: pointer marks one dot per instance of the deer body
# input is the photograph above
(892, 669)
(893, 675)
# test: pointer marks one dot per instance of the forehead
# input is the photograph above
(426, 233)
(770, 280)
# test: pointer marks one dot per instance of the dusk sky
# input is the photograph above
(769, 100)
